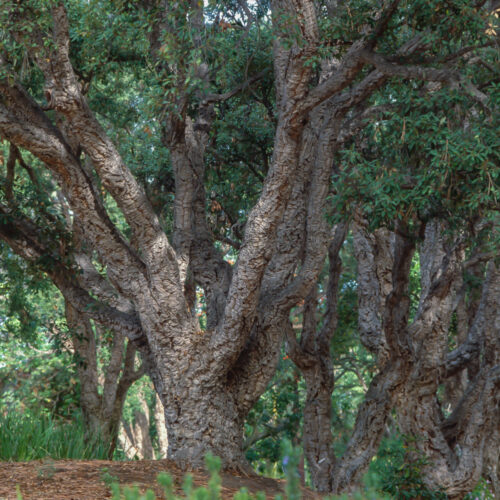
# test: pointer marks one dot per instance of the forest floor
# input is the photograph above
(86, 480)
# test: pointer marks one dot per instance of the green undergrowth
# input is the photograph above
(212, 491)
(391, 475)
(398, 470)
(398, 480)
(29, 437)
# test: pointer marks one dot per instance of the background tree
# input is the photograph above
(101, 409)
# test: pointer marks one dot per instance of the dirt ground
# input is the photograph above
(83, 480)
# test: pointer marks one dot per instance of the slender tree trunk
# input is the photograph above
(491, 467)
(101, 411)
(161, 429)
(317, 433)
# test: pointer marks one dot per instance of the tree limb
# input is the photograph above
(64, 95)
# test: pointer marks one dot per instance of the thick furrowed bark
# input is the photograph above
(317, 435)
(184, 173)
(258, 360)
(313, 358)
(159, 416)
(292, 76)
(455, 448)
(192, 238)
(418, 413)
(257, 364)
(159, 297)
(302, 238)
(83, 341)
(256, 251)
(64, 94)
(374, 256)
(202, 420)
(301, 242)
(340, 475)
(491, 465)
(46, 142)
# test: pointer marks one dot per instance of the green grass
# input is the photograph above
(27, 437)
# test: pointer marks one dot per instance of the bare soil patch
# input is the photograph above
(83, 480)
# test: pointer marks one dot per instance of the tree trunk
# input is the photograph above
(203, 419)
(161, 429)
(312, 356)
(491, 467)
(455, 448)
(101, 411)
(317, 433)
(142, 420)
